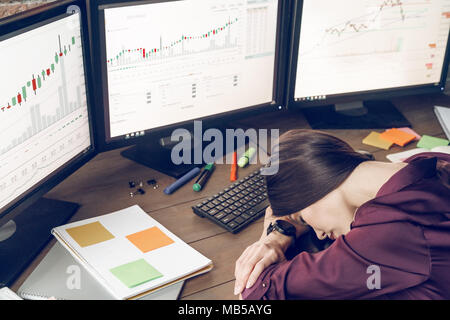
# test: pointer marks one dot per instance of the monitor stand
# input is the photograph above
(156, 154)
(356, 115)
(23, 238)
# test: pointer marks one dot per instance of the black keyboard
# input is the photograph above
(238, 205)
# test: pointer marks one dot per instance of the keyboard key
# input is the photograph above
(237, 212)
(245, 216)
(220, 215)
(232, 224)
(212, 212)
(239, 220)
(252, 212)
(228, 218)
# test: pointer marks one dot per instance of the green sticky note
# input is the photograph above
(135, 273)
(429, 142)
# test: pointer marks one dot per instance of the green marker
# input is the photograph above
(244, 160)
(204, 176)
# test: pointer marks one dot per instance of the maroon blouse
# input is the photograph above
(404, 232)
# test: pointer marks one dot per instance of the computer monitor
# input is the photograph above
(365, 52)
(45, 125)
(164, 64)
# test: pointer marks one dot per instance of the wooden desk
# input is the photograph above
(101, 186)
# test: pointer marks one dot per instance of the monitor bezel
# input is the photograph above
(378, 94)
(104, 143)
(25, 20)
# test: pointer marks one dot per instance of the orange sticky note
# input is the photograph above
(397, 136)
(373, 139)
(150, 239)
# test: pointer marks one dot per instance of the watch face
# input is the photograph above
(286, 227)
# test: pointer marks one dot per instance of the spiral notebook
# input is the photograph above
(60, 276)
(129, 253)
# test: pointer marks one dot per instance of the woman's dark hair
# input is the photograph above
(311, 164)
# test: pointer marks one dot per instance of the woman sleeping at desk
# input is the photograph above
(390, 223)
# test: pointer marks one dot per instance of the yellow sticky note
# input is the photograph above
(150, 239)
(89, 234)
(374, 139)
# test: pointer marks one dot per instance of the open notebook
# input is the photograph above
(130, 253)
(401, 156)
(443, 115)
(60, 276)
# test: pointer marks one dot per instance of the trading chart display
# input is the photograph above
(362, 45)
(175, 61)
(43, 110)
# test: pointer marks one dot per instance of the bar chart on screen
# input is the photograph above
(43, 108)
(193, 54)
(386, 39)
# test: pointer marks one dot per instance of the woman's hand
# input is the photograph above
(257, 257)
(268, 250)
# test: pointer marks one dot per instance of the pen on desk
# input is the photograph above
(244, 160)
(233, 173)
(183, 180)
(201, 181)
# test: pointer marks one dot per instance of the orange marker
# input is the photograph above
(233, 173)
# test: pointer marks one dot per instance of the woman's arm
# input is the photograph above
(345, 269)
(268, 250)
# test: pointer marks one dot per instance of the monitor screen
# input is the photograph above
(44, 120)
(174, 61)
(355, 47)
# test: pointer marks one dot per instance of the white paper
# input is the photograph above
(173, 261)
(443, 115)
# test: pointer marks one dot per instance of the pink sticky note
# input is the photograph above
(411, 131)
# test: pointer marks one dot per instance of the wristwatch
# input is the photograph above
(282, 227)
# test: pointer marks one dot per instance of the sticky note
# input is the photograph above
(430, 142)
(411, 131)
(149, 239)
(398, 137)
(135, 273)
(373, 139)
(89, 234)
